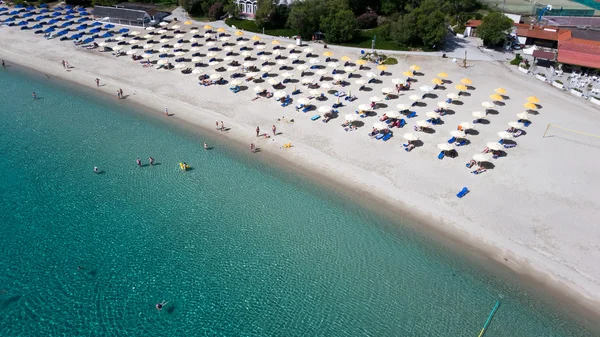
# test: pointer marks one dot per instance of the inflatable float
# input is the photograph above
(183, 166)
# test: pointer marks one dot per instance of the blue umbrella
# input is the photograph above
(30, 8)
(3, 9)
(109, 26)
(70, 11)
(94, 31)
(82, 19)
(66, 24)
(20, 6)
(58, 8)
(123, 30)
(63, 32)
(53, 21)
(96, 24)
(23, 23)
(36, 26)
(44, 6)
(68, 7)
(84, 13)
(88, 40)
(75, 37)
(82, 27)
(49, 30)
(56, 14)
(106, 35)
(69, 17)
(26, 15)
(81, 9)
(45, 10)
(14, 13)
(9, 20)
(39, 17)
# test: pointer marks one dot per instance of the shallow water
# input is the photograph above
(236, 247)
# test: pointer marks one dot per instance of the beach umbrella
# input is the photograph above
(162, 24)
(207, 27)
(255, 38)
(150, 28)
(275, 42)
(504, 135)
(321, 72)
(530, 106)
(302, 67)
(315, 92)
(431, 114)
(346, 58)
(393, 114)
(279, 94)
(461, 87)
(161, 62)
(242, 43)
(351, 117)
(328, 54)
(273, 81)
(500, 91)
(333, 65)
(453, 95)
(188, 22)
(180, 66)
(177, 45)
(179, 53)
(236, 82)
(442, 75)
(314, 61)
(307, 80)
(210, 44)
(193, 40)
(161, 31)
(437, 81)
(287, 75)
(324, 109)
(163, 50)
(371, 74)
(442, 105)
(291, 46)
(407, 73)
(303, 101)
(402, 107)
(382, 67)
(134, 33)
(496, 97)
(426, 88)
(466, 81)
(457, 133)
(239, 33)
(213, 63)
(308, 50)
(277, 53)
(221, 30)
(211, 54)
(466, 125)
(102, 44)
(249, 75)
(410, 137)
(176, 27)
(194, 31)
(480, 157)
(207, 35)
(375, 99)
(361, 62)
(117, 48)
(224, 39)
(325, 86)
(232, 69)
(523, 115)
(495, 146)
(479, 114)
(514, 124)
(533, 99)
(147, 36)
(215, 76)
(294, 56)
(488, 105)
(118, 38)
(147, 56)
(380, 126)
(360, 82)
(265, 58)
(148, 46)
(386, 90)
(445, 147)
(266, 69)
(195, 49)
(261, 47)
(397, 80)
(364, 107)
(414, 98)
(337, 77)
(246, 54)
(349, 69)
(415, 67)
(248, 64)
(179, 36)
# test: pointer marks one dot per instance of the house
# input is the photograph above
(248, 7)
(129, 13)
(579, 49)
(540, 36)
(471, 27)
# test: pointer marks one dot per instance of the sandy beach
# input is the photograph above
(536, 211)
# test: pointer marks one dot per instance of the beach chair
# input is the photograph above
(441, 155)
(451, 140)
(315, 117)
(478, 171)
(509, 146)
(306, 109)
(461, 143)
(296, 92)
(387, 136)
(462, 192)
(402, 122)
(518, 133)
(379, 136)
(526, 123)
(411, 114)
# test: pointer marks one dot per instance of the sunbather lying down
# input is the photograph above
(409, 147)
(479, 170)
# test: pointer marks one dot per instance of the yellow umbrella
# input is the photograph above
(255, 38)
(239, 33)
(328, 54)
(442, 75)
(461, 87)
(188, 22)
(415, 67)
(500, 91)
(530, 105)
(361, 62)
(466, 81)
(437, 81)
(275, 42)
(496, 97)
(345, 58)
(221, 30)
(533, 99)
(208, 27)
(407, 73)
(382, 67)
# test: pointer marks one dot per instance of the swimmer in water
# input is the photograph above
(139, 162)
(96, 169)
(34, 95)
(151, 160)
(205, 146)
(160, 305)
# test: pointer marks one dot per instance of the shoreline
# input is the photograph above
(453, 237)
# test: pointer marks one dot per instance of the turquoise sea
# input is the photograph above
(235, 247)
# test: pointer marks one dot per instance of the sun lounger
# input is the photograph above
(387, 136)
(461, 143)
(379, 136)
(509, 146)
(315, 117)
(462, 192)
(306, 109)
(441, 155)
(451, 140)
(478, 171)
(402, 123)
(518, 133)
(412, 114)
(527, 123)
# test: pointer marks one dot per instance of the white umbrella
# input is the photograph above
(291, 46)
(102, 44)
(176, 27)
(326, 86)
(179, 53)
(160, 62)
(178, 36)
(479, 114)
(488, 105)
(134, 33)
(210, 44)
(232, 69)
(294, 56)
(180, 65)
(119, 38)
(282, 62)
(242, 43)
(458, 133)
(303, 101)
(177, 45)
(164, 23)
(258, 88)
(393, 114)
(479, 157)
(265, 58)
(466, 125)
(380, 126)
(313, 61)
(397, 81)
(324, 108)
(197, 71)
(364, 107)
(248, 64)
(386, 90)
(224, 39)
(515, 125)
(246, 54)
(315, 92)
(333, 64)
(147, 36)
(251, 75)
(148, 46)
(287, 75)
(279, 94)
(443, 105)
(337, 77)
(402, 107)
(308, 50)
(349, 69)
(453, 95)
(445, 147)
(228, 58)
(276, 52)
(504, 135)
(410, 137)
(194, 31)
(163, 50)
(414, 98)
(375, 99)
(523, 115)
(302, 67)
(273, 81)
(117, 48)
(307, 80)
(321, 72)
(423, 124)
(213, 63)
(211, 54)
(196, 59)
(431, 114)
(351, 117)
(150, 28)
(266, 69)
(207, 35)
(261, 47)
(215, 76)
(131, 52)
(426, 88)
(360, 82)
(147, 56)
(494, 146)
(161, 31)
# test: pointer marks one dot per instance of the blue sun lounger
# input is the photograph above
(379, 136)
(402, 122)
(462, 192)
(412, 114)
(306, 109)
(387, 136)
(451, 140)
(315, 117)
(441, 155)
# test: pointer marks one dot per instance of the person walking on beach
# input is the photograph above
(217, 124)
(151, 160)
(257, 131)
(166, 112)
(118, 94)
(139, 162)
(97, 82)
(121, 93)
(274, 128)
(67, 64)
(252, 147)
(64, 64)
(3, 63)
(222, 126)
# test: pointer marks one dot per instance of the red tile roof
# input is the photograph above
(585, 53)
(546, 55)
(537, 33)
(473, 23)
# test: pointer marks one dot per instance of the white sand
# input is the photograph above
(538, 207)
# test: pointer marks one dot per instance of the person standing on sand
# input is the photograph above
(118, 94)
(222, 126)
(274, 128)
(3, 63)
(166, 112)
(252, 148)
(217, 124)
(97, 82)
(121, 93)
(257, 131)
(63, 64)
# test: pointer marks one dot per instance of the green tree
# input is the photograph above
(389, 7)
(340, 26)
(304, 18)
(493, 28)
(264, 13)
(432, 27)
(404, 30)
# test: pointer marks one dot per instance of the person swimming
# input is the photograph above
(151, 160)
(205, 146)
(139, 162)
(96, 169)
(159, 306)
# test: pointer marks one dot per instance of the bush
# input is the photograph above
(540, 74)
(516, 60)
(216, 11)
(367, 20)
(390, 61)
(558, 81)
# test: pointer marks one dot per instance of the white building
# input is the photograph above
(248, 7)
